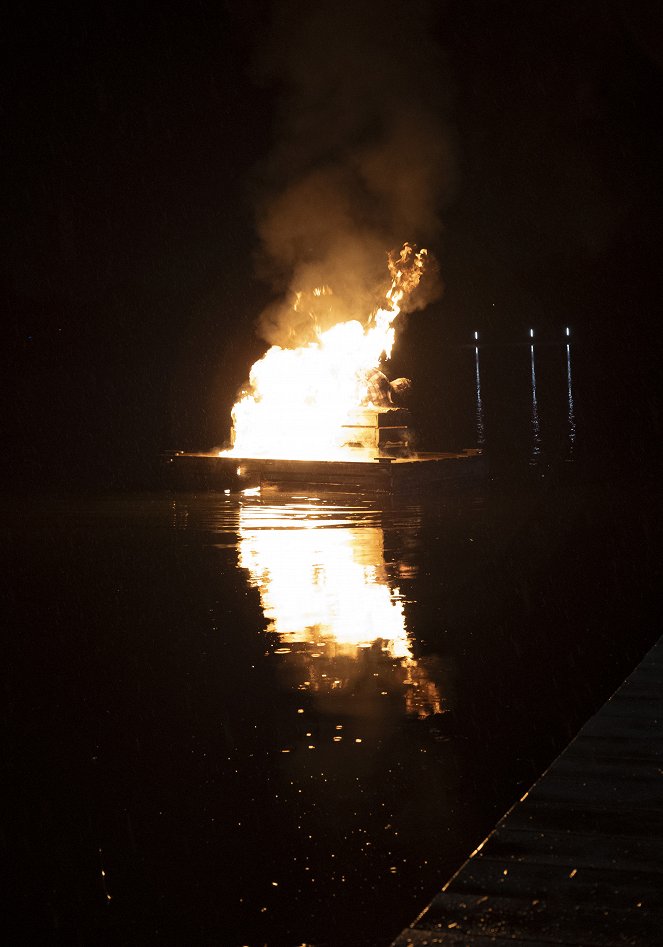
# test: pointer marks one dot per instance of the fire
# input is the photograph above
(299, 399)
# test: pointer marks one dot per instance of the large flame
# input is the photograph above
(298, 399)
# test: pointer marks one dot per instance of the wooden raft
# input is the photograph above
(579, 860)
(204, 471)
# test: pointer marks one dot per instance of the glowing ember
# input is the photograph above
(299, 399)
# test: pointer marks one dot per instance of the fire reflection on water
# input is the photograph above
(325, 589)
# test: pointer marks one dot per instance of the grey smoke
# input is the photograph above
(362, 160)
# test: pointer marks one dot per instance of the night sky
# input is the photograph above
(141, 144)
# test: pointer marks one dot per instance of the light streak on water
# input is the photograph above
(571, 408)
(479, 403)
(536, 427)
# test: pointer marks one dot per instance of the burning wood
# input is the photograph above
(300, 402)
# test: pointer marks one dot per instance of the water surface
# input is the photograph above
(243, 720)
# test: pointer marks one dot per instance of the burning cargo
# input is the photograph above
(322, 415)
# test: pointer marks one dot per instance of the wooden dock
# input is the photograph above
(579, 860)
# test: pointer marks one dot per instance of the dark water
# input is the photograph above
(236, 721)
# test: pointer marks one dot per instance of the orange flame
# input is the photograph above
(299, 399)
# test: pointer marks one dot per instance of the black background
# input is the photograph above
(133, 138)
(131, 135)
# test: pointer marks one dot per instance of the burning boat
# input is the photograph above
(322, 415)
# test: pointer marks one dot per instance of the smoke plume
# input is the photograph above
(362, 161)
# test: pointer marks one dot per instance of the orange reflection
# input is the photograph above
(325, 589)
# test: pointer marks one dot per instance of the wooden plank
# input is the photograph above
(603, 744)
(652, 671)
(622, 726)
(638, 794)
(573, 850)
(614, 770)
(628, 706)
(568, 815)
(551, 920)
(454, 937)
(641, 687)
(623, 888)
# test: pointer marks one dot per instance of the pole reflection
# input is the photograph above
(571, 408)
(536, 428)
(479, 403)
(337, 616)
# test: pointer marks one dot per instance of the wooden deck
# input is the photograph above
(579, 860)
